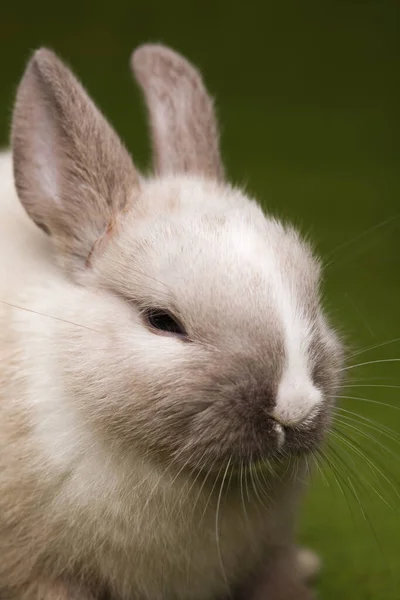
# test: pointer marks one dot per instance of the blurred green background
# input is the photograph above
(309, 99)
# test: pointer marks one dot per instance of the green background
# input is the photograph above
(308, 96)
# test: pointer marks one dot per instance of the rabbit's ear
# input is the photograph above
(72, 173)
(183, 122)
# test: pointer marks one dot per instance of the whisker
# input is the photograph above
(247, 524)
(361, 235)
(267, 483)
(217, 536)
(242, 494)
(370, 423)
(197, 499)
(337, 477)
(359, 313)
(374, 347)
(216, 479)
(350, 381)
(364, 514)
(369, 400)
(370, 362)
(260, 486)
(349, 258)
(371, 464)
(297, 467)
(246, 483)
(198, 472)
(370, 438)
(319, 468)
(252, 474)
(361, 480)
(355, 447)
(357, 498)
(377, 385)
(35, 312)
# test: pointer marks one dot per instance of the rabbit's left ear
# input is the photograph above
(182, 117)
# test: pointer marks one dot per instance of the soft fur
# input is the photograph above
(119, 448)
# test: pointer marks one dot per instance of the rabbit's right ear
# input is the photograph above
(182, 116)
(72, 173)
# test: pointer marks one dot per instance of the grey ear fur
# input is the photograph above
(182, 117)
(72, 173)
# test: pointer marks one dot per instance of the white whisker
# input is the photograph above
(35, 312)
(374, 347)
(217, 535)
(371, 362)
(368, 400)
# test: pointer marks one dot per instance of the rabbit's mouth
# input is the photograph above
(262, 451)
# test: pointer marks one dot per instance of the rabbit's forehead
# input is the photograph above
(229, 253)
(226, 267)
(190, 222)
(215, 255)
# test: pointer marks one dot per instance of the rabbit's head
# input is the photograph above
(205, 343)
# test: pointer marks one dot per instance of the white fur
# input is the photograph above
(25, 250)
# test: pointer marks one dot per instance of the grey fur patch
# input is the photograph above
(72, 173)
(183, 124)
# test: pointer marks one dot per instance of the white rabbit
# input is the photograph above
(166, 366)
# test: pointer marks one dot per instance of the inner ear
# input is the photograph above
(182, 117)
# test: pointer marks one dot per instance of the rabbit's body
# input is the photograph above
(21, 242)
(139, 528)
(128, 433)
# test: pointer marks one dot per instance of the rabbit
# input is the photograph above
(166, 365)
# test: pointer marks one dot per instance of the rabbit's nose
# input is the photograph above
(297, 401)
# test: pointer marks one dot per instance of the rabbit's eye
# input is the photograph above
(164, 322)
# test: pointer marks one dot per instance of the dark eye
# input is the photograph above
(164, 322)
